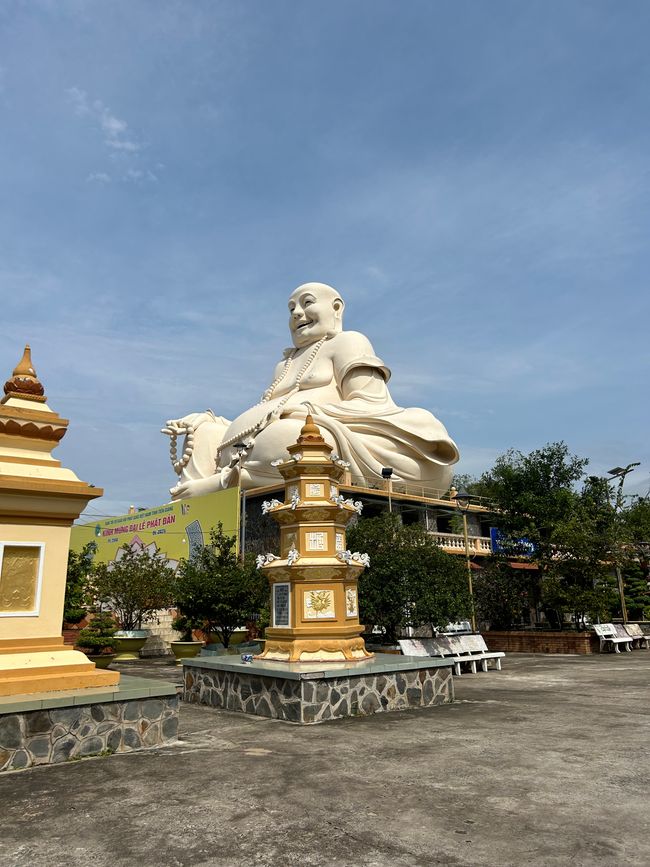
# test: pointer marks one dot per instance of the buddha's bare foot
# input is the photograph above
(196, 487)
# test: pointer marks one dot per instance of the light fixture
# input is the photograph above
(462, 499)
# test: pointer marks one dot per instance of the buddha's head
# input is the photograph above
(315, 311)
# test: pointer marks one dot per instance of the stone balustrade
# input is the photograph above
(455, 543)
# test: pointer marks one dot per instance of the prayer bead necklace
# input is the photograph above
(180, 464)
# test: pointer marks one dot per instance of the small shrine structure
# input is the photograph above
(314, 666)
(39, 500)
(55, 705)
(314, 594)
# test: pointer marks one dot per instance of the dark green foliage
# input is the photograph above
(217, 592)
(134, 586)
(184, 625)
(501, 593)
(562, 597)
(80, 566)
(97, 637)
(636, 518)
(410, 581)
(586, 544)
(637, 590)
(534, 493)
(577, 533)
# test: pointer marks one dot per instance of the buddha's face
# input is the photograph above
(315, 311)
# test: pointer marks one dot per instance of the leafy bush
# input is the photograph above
(501, 593)
(98, 636)
(184, 625)
(80, 567)
(411, 581)
(134, 586)
(217, 592)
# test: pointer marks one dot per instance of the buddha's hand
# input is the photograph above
(179, 426)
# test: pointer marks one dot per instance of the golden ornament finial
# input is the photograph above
(24, 366)
(24, 383)
(309, 427)
(310, 432)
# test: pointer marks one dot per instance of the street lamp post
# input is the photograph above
(620, 473)
(241, 449)
(387, 473)
(462, 500)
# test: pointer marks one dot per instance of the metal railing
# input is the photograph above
(412, 489)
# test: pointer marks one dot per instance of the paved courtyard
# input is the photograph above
(544, 763)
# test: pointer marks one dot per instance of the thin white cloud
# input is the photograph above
(117, 135)
(120, 142)
(140, 175)
(99, 178)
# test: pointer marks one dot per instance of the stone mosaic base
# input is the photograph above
(305, 700)
(58, 733)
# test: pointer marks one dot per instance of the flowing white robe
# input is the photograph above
(345, 390)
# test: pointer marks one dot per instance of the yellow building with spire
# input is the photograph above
(39, 500)
(314, 596)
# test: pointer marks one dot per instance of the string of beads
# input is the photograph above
(253, 430)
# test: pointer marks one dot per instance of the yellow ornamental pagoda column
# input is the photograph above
(314, 595)
(39, 500)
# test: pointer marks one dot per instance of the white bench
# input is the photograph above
(638, 636)
(607, 634)
(459, 649)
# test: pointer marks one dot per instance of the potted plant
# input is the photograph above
(133, 586)
(186, 647)
(97, 639)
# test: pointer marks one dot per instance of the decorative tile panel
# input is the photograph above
(316, 541)
(351, 602)
(318, 604)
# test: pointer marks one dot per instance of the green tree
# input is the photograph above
(534, 494)
(636, 589)
(134, 586)
(80, 568)
(636, 562)
(586, 544)
(636, 517)
(216, 591)
(410, 581)
(501, 593)
(576, 533)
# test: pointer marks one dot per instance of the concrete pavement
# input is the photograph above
(544, 763)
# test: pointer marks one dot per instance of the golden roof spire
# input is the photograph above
(310, 432)
(24, 383)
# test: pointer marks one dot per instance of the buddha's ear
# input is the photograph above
(339, 306)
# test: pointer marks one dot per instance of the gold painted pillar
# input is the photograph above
(39, 500)
(314, 596)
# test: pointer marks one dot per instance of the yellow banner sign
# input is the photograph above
(177, 529)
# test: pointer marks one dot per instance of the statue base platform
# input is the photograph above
(51, 727)
(314, 650)
(304, 694)
(47, 665)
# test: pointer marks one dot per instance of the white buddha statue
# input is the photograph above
(336, 377)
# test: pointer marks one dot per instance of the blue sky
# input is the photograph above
(473, 177)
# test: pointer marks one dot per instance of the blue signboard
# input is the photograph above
(503, 544)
